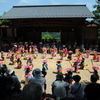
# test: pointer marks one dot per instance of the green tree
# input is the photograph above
(47, 36)
(51, 35)
(3, 20)
(96, 12)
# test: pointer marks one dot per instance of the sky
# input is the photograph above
(6, 5)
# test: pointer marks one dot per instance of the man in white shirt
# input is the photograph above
(60, 88)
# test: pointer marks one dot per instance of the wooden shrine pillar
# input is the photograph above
(13, 34)
(63, 37)
(37, 37)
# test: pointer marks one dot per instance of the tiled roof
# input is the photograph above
(49, 11)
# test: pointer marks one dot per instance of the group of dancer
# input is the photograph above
(77, 63)
(31, 53)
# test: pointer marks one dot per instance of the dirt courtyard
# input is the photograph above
(85, 75)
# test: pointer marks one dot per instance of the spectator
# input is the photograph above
(32, 91)
(76, 90)
(38, 79)
(5, 84)
(92, 90)
(60, 88)
(16, 83)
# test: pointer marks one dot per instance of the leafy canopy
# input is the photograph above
(3, 20)
(96, 12)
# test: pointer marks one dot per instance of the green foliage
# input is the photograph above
(51, 35)
(96, 12)
(46, 36)
(3, 20)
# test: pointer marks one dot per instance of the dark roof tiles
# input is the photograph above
(49, 11)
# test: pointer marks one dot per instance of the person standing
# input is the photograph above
(44, 68)
(59, 66)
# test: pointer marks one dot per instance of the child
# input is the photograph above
(68, 76)
(82, 63)
(65, 50)
(1, 64)
(12, 60)
(25, 55)
(70, 55)
(61, 54)
(30, 49)
(95, 55)
(28, 75)
(59, 66)
(52, 53)
(55, 52)
(95, 71)
(9, 54)
(87, 53)
(76, 52)
(29, 62)
(19, 63)
(2, 55)
(35, 54)
(44, 53)
(75, 65)
(44, 68)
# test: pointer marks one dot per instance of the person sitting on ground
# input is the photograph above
(5, 83)
(32, 91)
(28, 74)
(29, 62)
(92, 90)
(76, 90)
(60, 88)
(19, 63)
(12, 60)
(69, 75)
(2, 56)
(16, 83)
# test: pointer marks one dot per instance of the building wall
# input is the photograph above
(90, 35)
